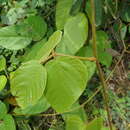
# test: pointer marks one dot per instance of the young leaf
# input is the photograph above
(3, 81)
(75, 34)
(28, 83)
(7, 123)
(2, 63)
(49, 46)
(41, 50)
(67, 78)
(11, 39)
(63, 8)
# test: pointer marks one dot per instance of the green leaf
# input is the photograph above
(32, 52)
(3, 110)
(107, 128)
(77, 111)
(41, 106)
(63, 8)
(3, 81)
(7, 123)
(103, 46)
(11, 39)
(76, 7)
(67, 78)
(28, 83)
(2, 63)
(75, 34)
(91, 66)
(75, 119)
(42, 50)
(45, 51)
(95, 124)
(37, 27)
(120, 30)
(75, 123)
(99, 11)
(125, 12)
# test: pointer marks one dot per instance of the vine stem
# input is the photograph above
(101, 74)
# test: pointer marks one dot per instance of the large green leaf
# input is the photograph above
(2, 63)
(41, 50)
(28, 83)
(11, 38)
(3, 81)
(41, 106)
(63, 8)
(67, 78)
(37, 27)
(7, 123)
(75, 123)
(75, 34)
(95, 124)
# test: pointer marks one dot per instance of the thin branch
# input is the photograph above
(101, 74)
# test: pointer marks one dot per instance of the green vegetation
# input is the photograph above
(64, 65)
